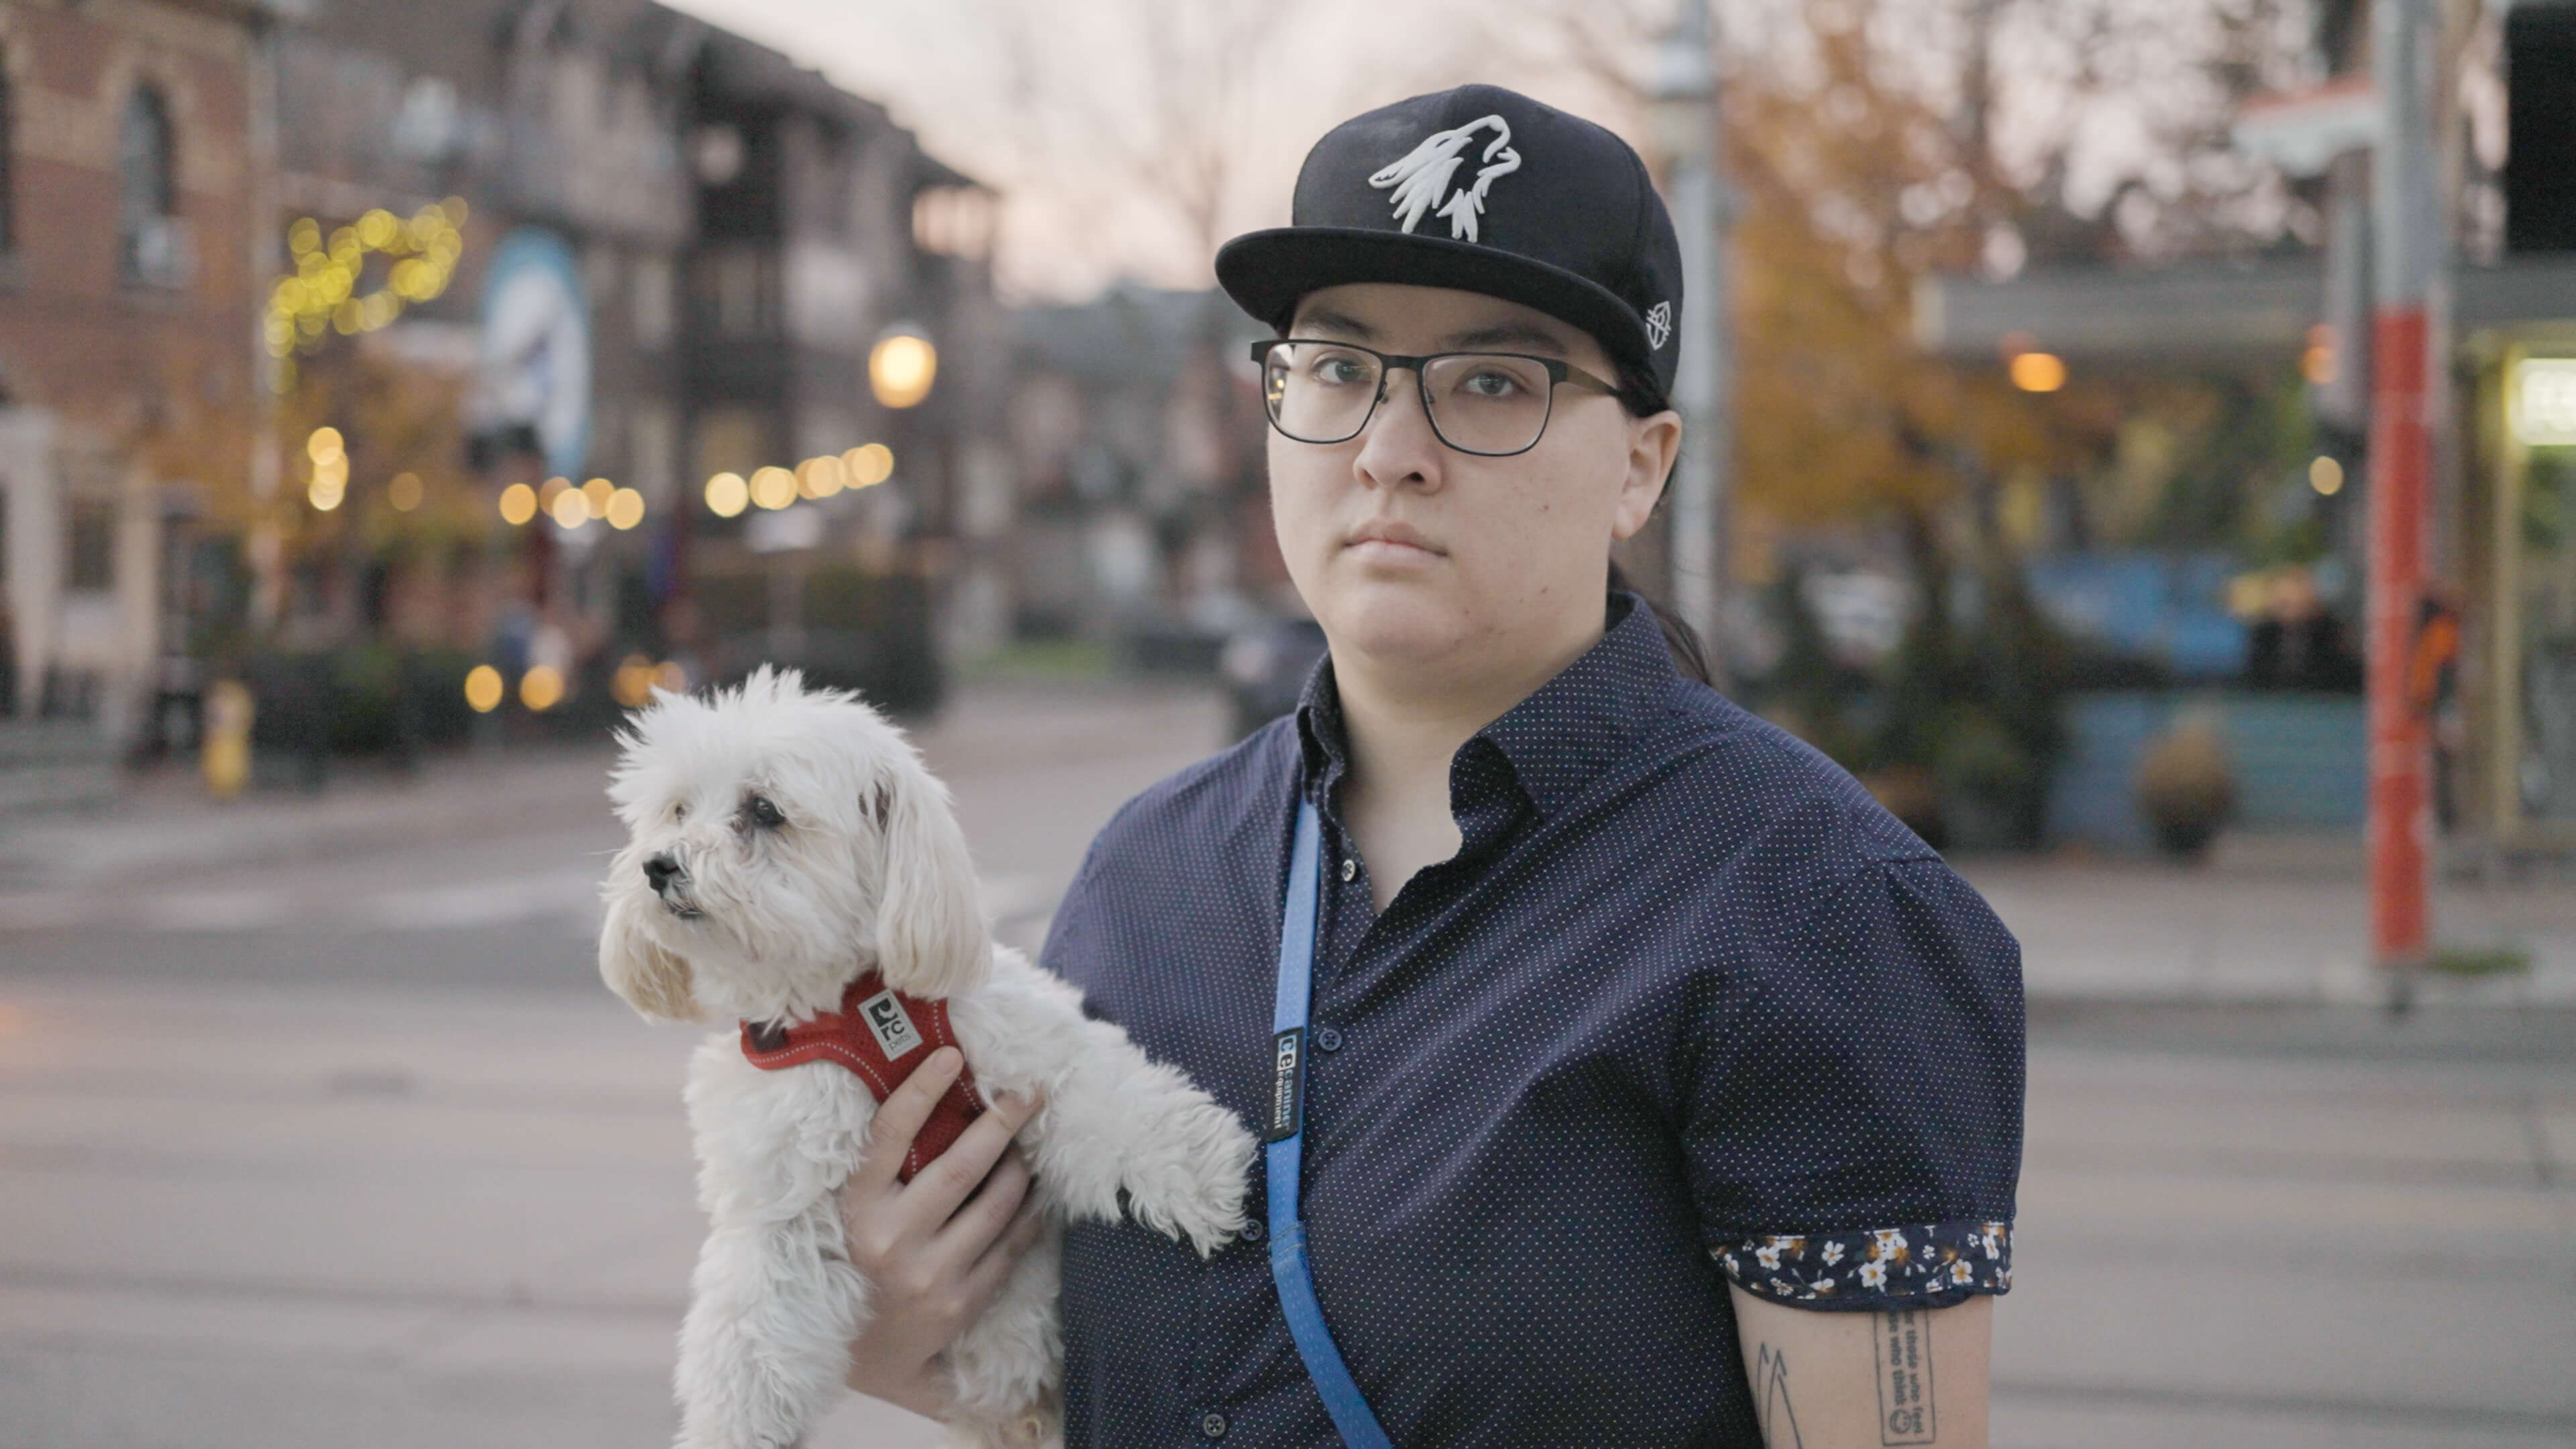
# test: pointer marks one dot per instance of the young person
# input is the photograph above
(1662, 1089)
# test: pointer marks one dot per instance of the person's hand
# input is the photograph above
(934, 1250)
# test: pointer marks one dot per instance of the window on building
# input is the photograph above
(733, 291)
(8, 146)
(92, 540)
(154, 244)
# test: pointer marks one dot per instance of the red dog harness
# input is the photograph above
(883, 1036)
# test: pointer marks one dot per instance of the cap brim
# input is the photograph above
(1268, 272)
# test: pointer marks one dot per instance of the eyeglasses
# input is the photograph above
(1491, 404)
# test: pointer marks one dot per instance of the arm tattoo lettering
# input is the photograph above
(1779, 1422)
(1904, 1343)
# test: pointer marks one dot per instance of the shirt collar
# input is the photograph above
(1558, 740)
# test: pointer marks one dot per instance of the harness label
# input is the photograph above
(889, 1025)
(1287, 1085)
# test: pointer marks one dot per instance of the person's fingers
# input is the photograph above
(986, 1215)
(935, 1193)
(899, 1119)
(986, 1277)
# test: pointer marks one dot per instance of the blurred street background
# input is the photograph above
(2137, 438)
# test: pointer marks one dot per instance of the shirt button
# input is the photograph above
(1350, 869)
(1327, 1039)
(1252, 1230)
(1212, 1424)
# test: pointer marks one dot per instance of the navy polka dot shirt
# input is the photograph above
(1688, 1008)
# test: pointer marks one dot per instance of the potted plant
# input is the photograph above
(2186, 785)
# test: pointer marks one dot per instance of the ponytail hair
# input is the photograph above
(1643, 397)
(1689, 655)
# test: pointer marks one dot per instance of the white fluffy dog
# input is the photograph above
(785, 841)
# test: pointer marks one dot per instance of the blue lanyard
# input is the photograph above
(1350, 1412)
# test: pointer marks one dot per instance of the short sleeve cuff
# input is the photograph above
(1927, 1265)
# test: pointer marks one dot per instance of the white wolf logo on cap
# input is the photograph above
(1424, 173)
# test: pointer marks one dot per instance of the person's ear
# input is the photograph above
(1653, 445)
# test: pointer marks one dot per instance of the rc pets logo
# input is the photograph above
(892, 1028)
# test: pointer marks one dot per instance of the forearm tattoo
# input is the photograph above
(1771, 1400)
(1902, 1353)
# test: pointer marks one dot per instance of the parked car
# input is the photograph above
(1265, 667)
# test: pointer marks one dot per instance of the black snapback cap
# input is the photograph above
(1484, 190)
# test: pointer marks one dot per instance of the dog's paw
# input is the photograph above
(1036, 1426)
(1208, 1210)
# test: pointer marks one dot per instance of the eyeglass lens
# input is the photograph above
(1322, 392)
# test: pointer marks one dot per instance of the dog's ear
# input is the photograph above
(648, 978)
(930, 921)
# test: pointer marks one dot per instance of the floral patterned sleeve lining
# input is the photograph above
(1931, 1265)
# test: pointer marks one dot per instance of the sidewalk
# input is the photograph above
(2278, 920)
(163, 823)
(520, 838)
(1036, 769)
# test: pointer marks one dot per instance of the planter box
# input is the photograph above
(2300, 762)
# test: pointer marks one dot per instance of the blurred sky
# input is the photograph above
(1095, 119)
(1129, 137)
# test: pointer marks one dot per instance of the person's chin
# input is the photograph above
(1409, 611)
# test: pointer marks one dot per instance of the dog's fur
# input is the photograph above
(768, 923)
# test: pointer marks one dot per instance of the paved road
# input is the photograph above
(316, 1128)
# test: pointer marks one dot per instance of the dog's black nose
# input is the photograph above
(661, 870)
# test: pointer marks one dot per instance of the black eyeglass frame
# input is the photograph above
(1558, 371)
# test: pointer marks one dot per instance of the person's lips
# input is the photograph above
(1390, 538)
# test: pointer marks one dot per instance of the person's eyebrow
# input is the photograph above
(1506, 334)
(1329, 320)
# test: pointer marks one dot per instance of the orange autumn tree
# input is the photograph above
(1849, 188)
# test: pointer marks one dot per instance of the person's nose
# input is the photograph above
(662, 869)
(1399, 448)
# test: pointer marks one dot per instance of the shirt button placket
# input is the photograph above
(1350, 869)
(1212, 1425)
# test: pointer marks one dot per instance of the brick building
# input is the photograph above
(128, 158)
(292, 295)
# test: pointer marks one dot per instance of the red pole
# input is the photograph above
(2406, 253)
(2400, 478)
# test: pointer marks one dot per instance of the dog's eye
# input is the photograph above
(763, 814)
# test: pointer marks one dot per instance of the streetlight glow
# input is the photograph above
(870, 464)
(901, 367)
(541, 688)
(570, 510)
(773, 487)
(822, 477)
(2038, 372)
(727, 495)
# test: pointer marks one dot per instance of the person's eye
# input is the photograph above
(1339, 369)
(1491, 384)
(763, 813)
